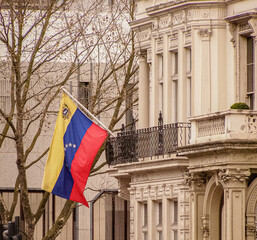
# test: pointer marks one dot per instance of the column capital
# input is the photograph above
(142, 55)
(234, 175)
(195, 181)
(124, 192)
(205, 33)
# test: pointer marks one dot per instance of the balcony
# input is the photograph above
(152, 143)
(147, 143)
(224, 125)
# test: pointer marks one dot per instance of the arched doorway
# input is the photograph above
(251, 211)
(213, 211)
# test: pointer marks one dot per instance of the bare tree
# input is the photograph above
(44, 46)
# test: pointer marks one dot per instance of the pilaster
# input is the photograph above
(205, 35)
(184, 209)
(197, 185)
(143, 118)
(234, 184)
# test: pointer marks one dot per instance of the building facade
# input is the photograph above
(189, 169)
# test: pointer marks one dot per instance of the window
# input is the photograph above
(159, 221)
(176, 63)
(250, 71)
(84, 93)
(160, 78)
(129, 106)
(174, 86)
(174, 220)
(145, 221)
(160, 67)
(188, 81)
(5, 94)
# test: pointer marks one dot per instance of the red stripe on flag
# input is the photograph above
(83, 160)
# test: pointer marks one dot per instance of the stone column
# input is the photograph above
(197, 186)
(234, 184)
(143, 118)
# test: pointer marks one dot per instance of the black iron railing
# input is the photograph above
(131, 145)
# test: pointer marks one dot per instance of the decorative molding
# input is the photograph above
(234, 175)
(140, 178)
(205, 13)
(155, 24)
(244, 27)
(250, 229)
(159, 44)
(173, 41)
(252, 121)
(179, 18)
(168, 191)
(144, 35)
(149, 55)
(165, 22)
(142, 55)
(252, 199)
(206, 231)
(188, 38)
(124, 191)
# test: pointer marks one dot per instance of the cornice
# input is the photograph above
(141, 23)
(242, 17)
(161, 164)
(227, 146)
(181, 4)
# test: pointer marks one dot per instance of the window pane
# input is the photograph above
(250, 68)
(160, 235)
(176, 62)
(160, 213)
(174, 101)
(145, 214)
(175, 211)
(145, 236)
(175, 235)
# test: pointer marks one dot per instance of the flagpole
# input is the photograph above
(88, 112)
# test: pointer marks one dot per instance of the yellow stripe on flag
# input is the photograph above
(56, 153)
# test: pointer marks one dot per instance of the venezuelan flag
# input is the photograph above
(75, 143)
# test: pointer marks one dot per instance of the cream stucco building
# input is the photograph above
(190, 172)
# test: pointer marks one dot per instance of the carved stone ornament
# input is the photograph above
(155, 24)
(124, 194)
(233, 32)
(253, 24)
(142, 55)
(250, 229)
(196, 181)
(235, 175)
(205, 33)
(206, 231)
